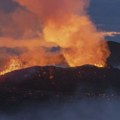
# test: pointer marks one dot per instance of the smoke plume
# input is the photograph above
(65, 23)
(41, 25)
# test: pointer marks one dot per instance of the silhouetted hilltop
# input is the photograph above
(114, 58)
(47, 82)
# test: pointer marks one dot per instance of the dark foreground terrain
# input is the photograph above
(54, 83)
(54, 93)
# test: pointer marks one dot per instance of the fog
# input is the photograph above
(85, 109)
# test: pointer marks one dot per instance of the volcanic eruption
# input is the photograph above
(54, 50)
(64, 25)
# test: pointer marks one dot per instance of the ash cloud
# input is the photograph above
(21, 28)
(66, 22)
(18, 24)
(38, 24)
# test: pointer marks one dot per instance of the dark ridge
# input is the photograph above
(114, 58)
(46, 83)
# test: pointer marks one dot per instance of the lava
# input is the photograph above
(14, 64)
(99, 65)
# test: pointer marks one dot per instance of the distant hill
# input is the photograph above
(114, 58)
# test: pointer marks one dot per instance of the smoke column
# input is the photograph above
(65, 23)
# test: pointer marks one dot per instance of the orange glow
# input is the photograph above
(65, 24)
(81, 42)
(14, 64)
(99, 65)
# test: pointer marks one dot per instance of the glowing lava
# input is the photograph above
(14, 64)
(99, 65)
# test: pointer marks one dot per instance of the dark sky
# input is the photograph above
(8, 5)
(105, 13)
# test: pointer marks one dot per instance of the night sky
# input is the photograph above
(106, 14)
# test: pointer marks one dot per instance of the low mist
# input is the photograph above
(85, 109)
